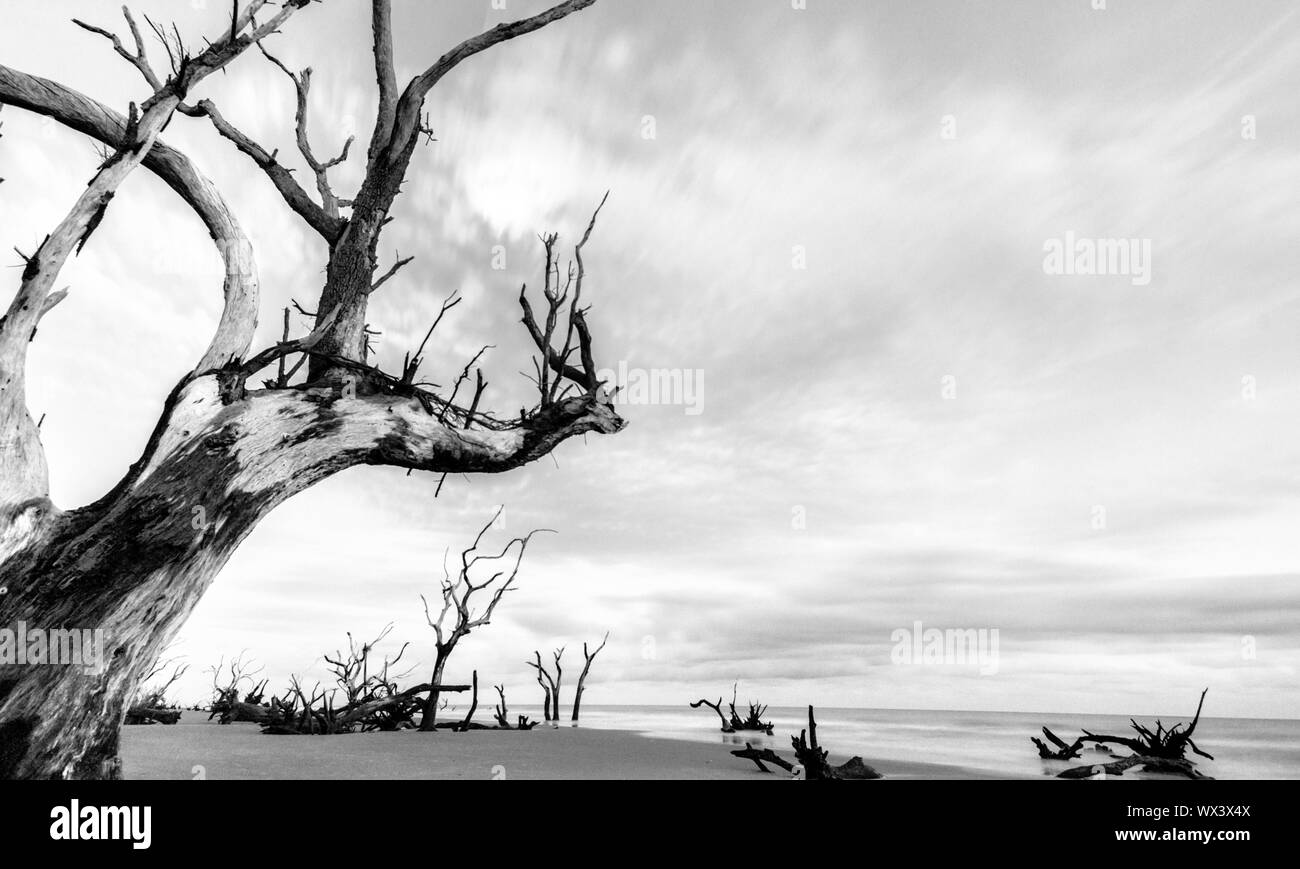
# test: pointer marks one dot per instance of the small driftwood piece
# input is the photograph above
(760, 756)
(1063, 750)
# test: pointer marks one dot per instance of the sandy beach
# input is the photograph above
(196, 748)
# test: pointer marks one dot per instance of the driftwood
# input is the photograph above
(733, 723)
(1149, 764)
(147, 715)
(1171, 744)
(813, 758)
(303, 714)
(502, 714)
(759, 756)
(810, 759)
(1160, 750)
(226, 705)
(151, 705)
(1063, 750)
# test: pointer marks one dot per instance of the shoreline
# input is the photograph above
(194, 749)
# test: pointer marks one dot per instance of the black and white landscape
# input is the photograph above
(491, 389)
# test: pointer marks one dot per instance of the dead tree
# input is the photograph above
(582, 678)
(550, 710)
(151, 705)
(810, 758)
(477, 572)
(1063, 751)
(555, 686)
(473, 707)
(224, 453)
(502, 714)
(227, 705)
(733, 723)
(1171, 744)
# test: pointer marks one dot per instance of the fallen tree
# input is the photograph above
(227, 706)
(811, 761)
(1159, 750)
(365, 696)
(1171, 766)
(1062, 751)
(1171, 744)
(502, 714)
(733, 723)
(151, 705)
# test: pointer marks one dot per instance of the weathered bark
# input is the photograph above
(135, 563)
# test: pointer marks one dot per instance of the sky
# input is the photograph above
(831, 222)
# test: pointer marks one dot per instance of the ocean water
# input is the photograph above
(990, 742)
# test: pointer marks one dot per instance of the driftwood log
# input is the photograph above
(1171, 744)
(810, 759)
(502, 714)
(146, 715)
(733, 723)
(1181, 767)
(1063, 750)
(1160, 750)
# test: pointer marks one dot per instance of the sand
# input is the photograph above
(195, 748)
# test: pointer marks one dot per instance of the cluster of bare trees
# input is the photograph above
(365, 694)
(134, 563)
(551, 685)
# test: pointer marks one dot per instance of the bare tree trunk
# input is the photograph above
(133, 565)
(473, 706)
(429, 720)
(582, 678)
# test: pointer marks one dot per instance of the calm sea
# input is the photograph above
(991, 742)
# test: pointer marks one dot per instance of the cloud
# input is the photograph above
(904, 417)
